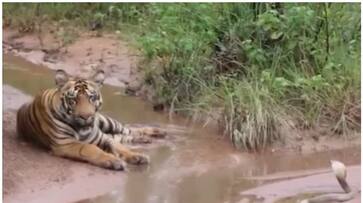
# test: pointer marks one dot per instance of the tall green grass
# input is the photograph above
(268, 67)
(257, 68)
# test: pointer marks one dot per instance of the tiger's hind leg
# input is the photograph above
(90, 153)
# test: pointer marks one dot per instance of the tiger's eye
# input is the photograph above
(72, 102)
(71, 94)
(93, 98)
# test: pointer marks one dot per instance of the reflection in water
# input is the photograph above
(197, 167)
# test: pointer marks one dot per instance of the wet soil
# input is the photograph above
(197, 165)
(87, 53)
(307, 184)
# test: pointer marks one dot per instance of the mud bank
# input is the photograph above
(305, 185)
(81, 58)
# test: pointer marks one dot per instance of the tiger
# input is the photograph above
(66, 120)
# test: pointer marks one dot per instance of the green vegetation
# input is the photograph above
(258, 68)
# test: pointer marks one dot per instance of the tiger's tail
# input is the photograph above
(22, 121)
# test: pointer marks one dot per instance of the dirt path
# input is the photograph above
(82, 57)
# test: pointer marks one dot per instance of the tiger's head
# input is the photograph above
(80, 98)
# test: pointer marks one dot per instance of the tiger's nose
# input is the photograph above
(87, 117)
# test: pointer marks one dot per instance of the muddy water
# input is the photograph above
(198, 166)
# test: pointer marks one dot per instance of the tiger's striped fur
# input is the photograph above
(67, 121)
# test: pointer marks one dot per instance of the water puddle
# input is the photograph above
(195, 167)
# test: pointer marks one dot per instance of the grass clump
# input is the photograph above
(267, 66)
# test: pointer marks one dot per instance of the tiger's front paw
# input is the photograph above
(155, 132)
(116, 164)
(138, 159)
(141, 140)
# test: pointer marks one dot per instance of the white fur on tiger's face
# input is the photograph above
(81, 99)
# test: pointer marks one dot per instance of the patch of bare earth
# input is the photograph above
(87, 53)
(315, 140)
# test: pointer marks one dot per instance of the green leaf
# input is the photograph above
(276, 35)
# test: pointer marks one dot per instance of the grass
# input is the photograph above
(256, 68)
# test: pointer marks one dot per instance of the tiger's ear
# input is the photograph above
(61, 77)
(99, 77)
